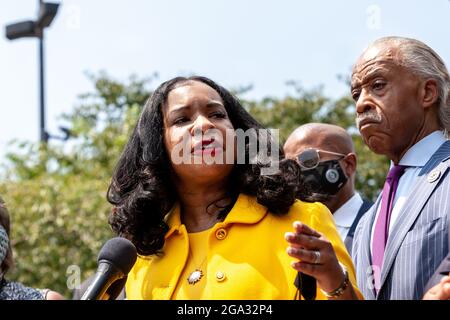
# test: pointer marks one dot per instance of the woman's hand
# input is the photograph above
(52, 295)
(317, 258)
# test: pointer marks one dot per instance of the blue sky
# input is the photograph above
(235, 42)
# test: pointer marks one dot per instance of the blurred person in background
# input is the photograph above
(10, 290)
(328, 162)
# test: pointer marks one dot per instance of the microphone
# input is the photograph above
(115, 260)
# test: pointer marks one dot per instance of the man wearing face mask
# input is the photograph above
(326, 155)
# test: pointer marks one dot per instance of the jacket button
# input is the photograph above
(220, 276)
(221, 234)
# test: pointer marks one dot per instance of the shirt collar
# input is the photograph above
(419, 154)
(345, 214)
(246, 210)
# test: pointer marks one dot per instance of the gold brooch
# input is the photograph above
(195, 276)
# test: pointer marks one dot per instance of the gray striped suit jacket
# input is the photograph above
(442, 270)
(417, 243)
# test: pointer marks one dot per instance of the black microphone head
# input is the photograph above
(120, 252)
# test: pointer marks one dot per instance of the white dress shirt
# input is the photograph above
(346, 214)
(415, 158)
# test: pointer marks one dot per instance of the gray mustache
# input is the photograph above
(368, 115)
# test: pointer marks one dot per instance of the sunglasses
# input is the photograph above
(310, 158)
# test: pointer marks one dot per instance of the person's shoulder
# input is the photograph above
(300, 207)
(17, 291)
(310, 213)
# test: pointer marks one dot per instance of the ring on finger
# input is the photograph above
(316, 257)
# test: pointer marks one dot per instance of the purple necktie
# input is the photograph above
(380, 234)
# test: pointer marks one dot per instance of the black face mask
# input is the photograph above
(325, 180)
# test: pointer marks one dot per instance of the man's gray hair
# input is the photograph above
(426, 63)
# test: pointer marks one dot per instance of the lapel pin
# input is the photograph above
(433, 176)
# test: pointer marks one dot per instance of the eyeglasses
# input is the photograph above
(310, 158)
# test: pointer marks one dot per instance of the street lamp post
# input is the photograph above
(43, 131)
(30, 28)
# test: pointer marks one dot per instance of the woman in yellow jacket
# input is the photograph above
(204, 193)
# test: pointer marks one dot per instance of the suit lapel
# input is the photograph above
(365, 253)
(409, 213)
(351, 232)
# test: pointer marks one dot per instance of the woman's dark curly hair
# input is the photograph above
(141, 189)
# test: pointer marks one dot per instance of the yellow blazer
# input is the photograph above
(247, 256)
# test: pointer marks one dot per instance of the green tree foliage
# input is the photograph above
(56, 194)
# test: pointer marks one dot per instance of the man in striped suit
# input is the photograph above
(401, 90)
